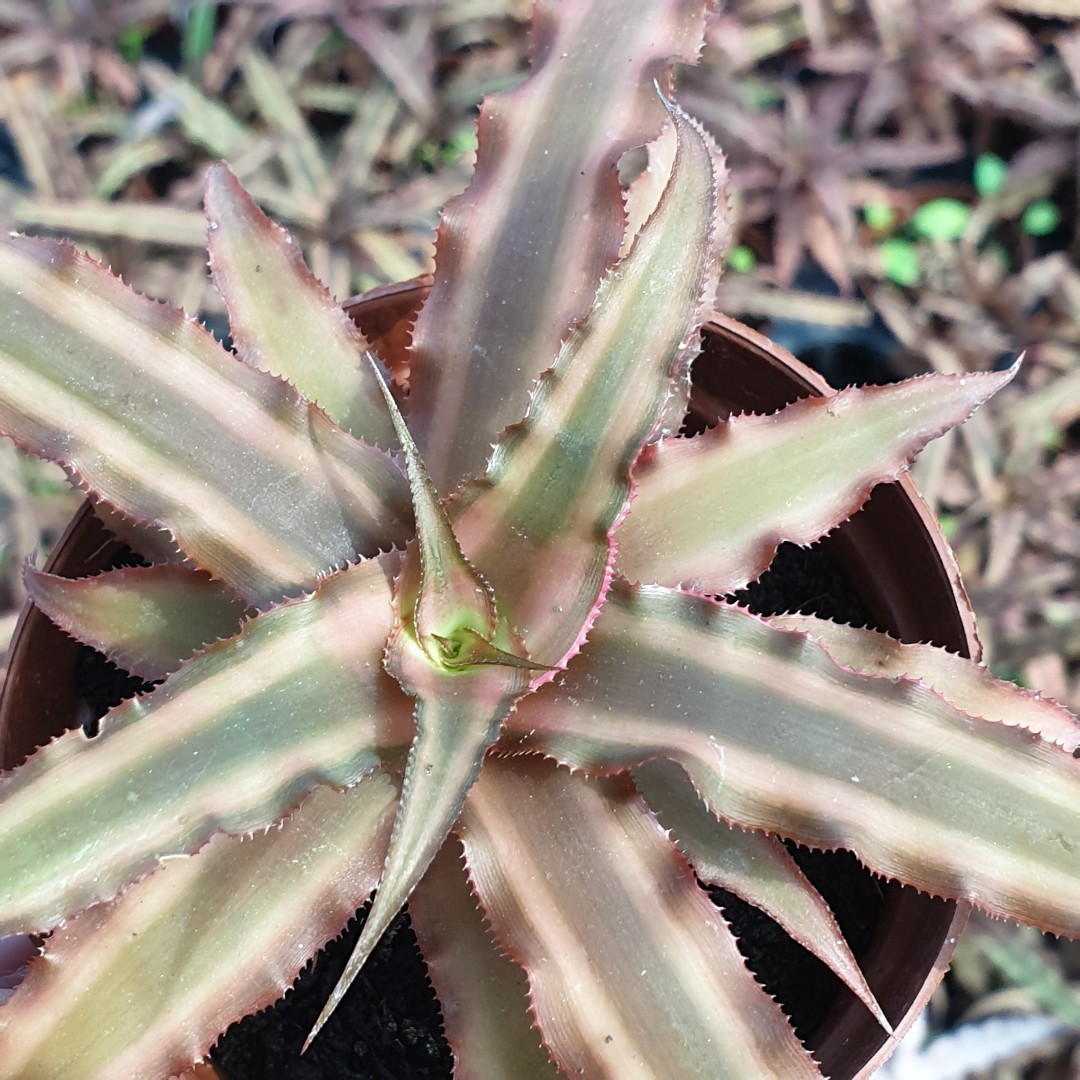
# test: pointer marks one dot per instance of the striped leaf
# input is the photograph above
(757, 868)
(483, 995)
(776, 736)
(230, 742)
(458, 716)
(538, 525)
(618, 941)
(282, 319)
(445, 652)
(520, 253)
(709, 512)
(142, 987)
(146, 619)
(143, 407)
(968, 686)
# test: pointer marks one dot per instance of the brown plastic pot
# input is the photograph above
(906, 576)
(892, 551)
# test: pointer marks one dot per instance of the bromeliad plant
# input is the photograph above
(473, 659)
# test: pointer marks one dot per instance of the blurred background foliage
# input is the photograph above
(905, 197)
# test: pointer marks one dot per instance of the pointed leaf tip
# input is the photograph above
(540, 525)
(452, 609)
(443, 651)
(146, 619)
(458, 717)
(283, 319)
(494, 319)
(710, 511)
(143, 407)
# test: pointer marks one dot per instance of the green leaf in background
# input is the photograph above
(1041, 218)
(879, 215)
(900, 261)
(741, 259)
(999, 255)
(1022, 963)
(761, 95)
(131, 43)
(989, 174)
(941, 219)
(199, 30)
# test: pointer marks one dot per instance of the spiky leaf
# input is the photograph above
(231, 741)
(515, 267)
(283, 320)
(458, 716)
(447, 653)
(538, 525)
(970, 687)
(146, 619)
(709, 512)
(776, 736)
(143, 986)
(142, 406)
(757, 868)
(483, 996)
(616, 936)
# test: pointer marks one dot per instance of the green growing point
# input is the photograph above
(454, 615)
(605, 537)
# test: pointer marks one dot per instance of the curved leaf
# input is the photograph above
(537, 526)
(776, 736)
(618, 940)
(970, 687)
(757, 868)
(142, 987)
(230, 742)
(518, 265)
(142, 406)
(458, 717)
(146, 619)
(444, 653)
(483, 995)
(283, 320)
(710, 511)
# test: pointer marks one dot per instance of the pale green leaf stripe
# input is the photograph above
(283, 320)
(146, 619)
(515, 270)
(458, 712)
(756, 867)
(458, 717)
(538, 526)
(231, 741)
(777, 736)
(710, 511)
(143, 987)
(483, 995)
(255, 484)
(616, 936)
(970, 687)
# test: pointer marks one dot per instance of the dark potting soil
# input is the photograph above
(388, 1027)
